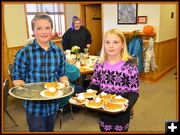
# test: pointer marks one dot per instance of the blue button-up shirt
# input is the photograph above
(34, 64)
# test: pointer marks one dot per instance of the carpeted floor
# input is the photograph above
(156, 104)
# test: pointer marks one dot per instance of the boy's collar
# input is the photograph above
(37, 46)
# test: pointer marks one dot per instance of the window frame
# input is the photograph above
(58, 28)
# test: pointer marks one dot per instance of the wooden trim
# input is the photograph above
(141, 34)
(151, 79)
(26, 21)
(16, 47)
(82, 14)
(65, 17)
(5, 58)
(102, 20)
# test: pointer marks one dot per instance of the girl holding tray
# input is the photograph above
(114, 73)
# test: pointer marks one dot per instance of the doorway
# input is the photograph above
(91, 17)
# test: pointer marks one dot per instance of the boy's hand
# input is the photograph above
(64, 80)
(18, 82)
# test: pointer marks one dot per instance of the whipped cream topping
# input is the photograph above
(90, 91)
(81, 96)
(103, 93)
(118, 97)
(52, 89)
(98, 99)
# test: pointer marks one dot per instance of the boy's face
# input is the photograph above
(42, 31)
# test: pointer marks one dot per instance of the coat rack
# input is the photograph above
(144, 36)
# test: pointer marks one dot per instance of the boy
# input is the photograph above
(40, 61)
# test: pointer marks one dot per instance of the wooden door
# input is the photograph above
(92, 21)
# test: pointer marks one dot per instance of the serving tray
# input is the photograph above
(99, 109)
(31, 91)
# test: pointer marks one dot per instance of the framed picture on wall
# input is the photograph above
(142, 19)
(127, 13)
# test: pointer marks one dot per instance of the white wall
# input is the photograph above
(152, 11)
(70, 11)
(110, 17)
(167, 24)
(158, 15)
(15, 24)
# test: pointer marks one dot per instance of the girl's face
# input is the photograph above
(77, 24)
(113, 45)
(42, 31)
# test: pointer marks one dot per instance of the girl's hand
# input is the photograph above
(126, 106)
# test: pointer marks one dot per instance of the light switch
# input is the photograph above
(172, 14)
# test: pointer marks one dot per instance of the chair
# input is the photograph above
(63, 106)
(6, 89)
(10, 69)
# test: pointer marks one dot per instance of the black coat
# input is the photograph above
(80, 38)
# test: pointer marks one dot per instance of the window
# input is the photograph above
(56, 11)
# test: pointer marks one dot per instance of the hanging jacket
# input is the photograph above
(135, 49)
(149, 58)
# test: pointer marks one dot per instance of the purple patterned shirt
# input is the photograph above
(120, 78)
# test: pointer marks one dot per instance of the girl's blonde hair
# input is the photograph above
(124, 53)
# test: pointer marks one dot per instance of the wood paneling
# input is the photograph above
(9, 55)
(165, 55)
(166, 59)
(12, 53)
(14, 50)
(58, 43)
(5, 59)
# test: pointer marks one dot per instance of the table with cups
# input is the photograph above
(83, 61)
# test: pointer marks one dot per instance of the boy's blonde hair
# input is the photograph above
(40, 16)
(124, 53)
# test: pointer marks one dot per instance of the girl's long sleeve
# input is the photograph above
(132, 97)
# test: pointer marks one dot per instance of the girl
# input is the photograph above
(115, 74)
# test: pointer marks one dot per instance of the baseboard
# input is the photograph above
(154, 79)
